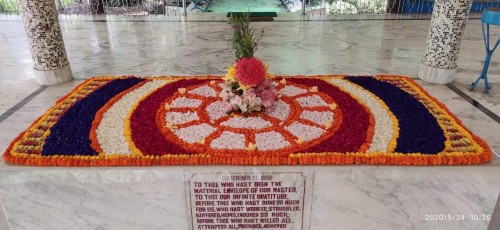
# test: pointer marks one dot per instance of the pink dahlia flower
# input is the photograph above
(250, 71)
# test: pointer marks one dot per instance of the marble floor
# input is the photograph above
(347, 197)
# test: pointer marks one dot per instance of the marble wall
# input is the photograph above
(343, 197)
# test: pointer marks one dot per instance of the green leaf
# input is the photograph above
(235, 86)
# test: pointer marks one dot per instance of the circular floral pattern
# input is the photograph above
(110, 121)
(299, 120)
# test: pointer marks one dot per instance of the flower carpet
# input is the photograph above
(120, 121)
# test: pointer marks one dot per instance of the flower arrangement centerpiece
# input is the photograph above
(247, 87)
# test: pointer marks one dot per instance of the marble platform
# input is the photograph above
(343, 197)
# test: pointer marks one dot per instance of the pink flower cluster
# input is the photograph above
(252, 99)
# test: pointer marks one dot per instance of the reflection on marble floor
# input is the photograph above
(225, 6)
(350, 197)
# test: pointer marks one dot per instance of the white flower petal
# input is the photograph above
(229, 140)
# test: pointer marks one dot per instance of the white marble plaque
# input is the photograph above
(247, 201)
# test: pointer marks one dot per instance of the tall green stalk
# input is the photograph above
(244, 42)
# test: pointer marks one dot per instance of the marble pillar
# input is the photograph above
(42, 27)
(443, 41)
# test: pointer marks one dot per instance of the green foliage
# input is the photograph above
(66, 2)
(122, 3)
(235, 85)
(244, 42)
(371, 7)
(356, 6)
(8, 6)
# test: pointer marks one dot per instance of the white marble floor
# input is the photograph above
(349, 197)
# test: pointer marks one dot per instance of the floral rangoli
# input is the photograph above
(110, 121)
